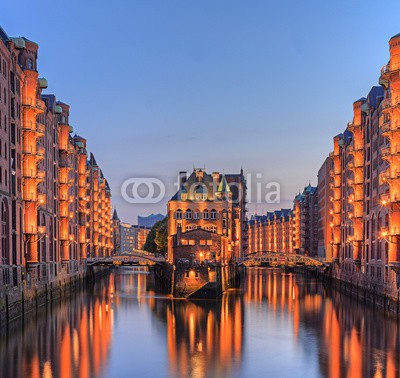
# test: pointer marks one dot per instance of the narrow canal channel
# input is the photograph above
(276, 325)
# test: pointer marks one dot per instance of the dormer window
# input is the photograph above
(184, 196)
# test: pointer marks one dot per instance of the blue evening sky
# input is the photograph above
(159, 86)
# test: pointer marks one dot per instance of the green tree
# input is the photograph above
(157, 239)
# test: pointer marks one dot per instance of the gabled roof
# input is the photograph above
(115, 215)
(223, 186)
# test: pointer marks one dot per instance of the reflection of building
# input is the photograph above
(352, 340)
(203, 337)
(55, 204)
(73, 342)
(149, 221)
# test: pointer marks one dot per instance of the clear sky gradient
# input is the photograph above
(160, 86)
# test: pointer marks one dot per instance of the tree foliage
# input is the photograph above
(157, 239)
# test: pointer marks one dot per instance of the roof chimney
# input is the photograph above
(182, 178)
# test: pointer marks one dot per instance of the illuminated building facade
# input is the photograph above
(55, 204)
(365, 205)
(306, 221)
(325, 210)
(272, 232)
(207, 205)
(287, 230)
(132, 237)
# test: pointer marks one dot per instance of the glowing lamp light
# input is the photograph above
(384, 202)
(384, 234)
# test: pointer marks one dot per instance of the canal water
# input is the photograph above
(277, 325)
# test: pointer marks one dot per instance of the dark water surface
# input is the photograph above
(276, 325)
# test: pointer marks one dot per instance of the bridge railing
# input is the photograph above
(280, 258)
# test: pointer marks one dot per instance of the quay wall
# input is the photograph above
(27, 296)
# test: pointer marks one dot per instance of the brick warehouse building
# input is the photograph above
(206, 228)
(212, 203)
(288, 230)
(272, 232)
(353, 217)
(55, 203)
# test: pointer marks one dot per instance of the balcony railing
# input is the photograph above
(32, 197)
(388, 126)
(40, 128)
(33, 127)
(389, 151)
(41, 174)
(40, 104)
(34, 151)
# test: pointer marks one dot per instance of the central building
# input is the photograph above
(206, 223)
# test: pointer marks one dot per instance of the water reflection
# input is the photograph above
(277, 325)
(72, 339)
(203, 336)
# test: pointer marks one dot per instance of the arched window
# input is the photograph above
(205, 214)
(189, 214)
(178, 214)
(213, 214)
(197, 214)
